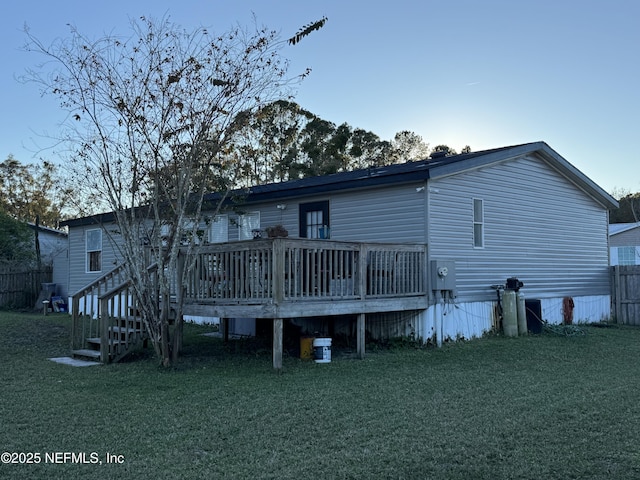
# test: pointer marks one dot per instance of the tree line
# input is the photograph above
(629, 207)
(29, 193)
(282, 141)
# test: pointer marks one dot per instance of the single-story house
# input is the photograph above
(624, 241)
(458, 226)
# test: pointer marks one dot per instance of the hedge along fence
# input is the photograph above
(20, 286)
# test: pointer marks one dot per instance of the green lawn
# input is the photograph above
(539, 407)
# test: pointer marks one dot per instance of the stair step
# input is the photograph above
(96, 341)
(86, 353)
(130, 325)
(128, 333)
(125, 330)
(130, 319)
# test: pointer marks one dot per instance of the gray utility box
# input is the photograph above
(443, 275)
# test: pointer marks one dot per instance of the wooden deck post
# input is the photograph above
(224, 329)
(277, 343)
(362, 272)
(617, 295)
(278, 270)
(360, 332)
(75, 321)
(103, 318)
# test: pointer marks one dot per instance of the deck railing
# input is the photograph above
(121, 325)
(257, 272)
(283, 269)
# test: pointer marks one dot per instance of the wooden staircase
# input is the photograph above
(105, 325)
(126, 335)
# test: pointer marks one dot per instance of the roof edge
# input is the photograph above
(541, 148)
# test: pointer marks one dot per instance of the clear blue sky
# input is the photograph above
(484, 73)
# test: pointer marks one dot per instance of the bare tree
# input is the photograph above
(150, 118)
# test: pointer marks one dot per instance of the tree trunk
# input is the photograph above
(177, 339)
(165, 344)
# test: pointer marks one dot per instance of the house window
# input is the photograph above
(219, 229)
(478, 223)
(93, 243)
(247, 223)
(626, 255)
(314, 219)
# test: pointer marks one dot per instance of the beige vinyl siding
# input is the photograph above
(537, 226)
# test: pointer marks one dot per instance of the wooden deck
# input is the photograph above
(287, 278)
(272, 279)
(291, 278)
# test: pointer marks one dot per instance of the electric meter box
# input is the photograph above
(443, 275)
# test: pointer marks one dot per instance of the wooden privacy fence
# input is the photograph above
(625, 294)
(19, 287)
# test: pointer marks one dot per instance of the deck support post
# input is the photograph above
(224, 329)
(360, 332)
(277, 343)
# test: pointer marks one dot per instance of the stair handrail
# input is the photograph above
(106, 319)
(83, 326)
(108, 316)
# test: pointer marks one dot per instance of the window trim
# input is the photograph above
(478, 223)
(89, 252)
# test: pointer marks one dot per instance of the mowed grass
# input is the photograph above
(537, 407)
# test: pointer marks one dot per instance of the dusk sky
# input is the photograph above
(485, 73)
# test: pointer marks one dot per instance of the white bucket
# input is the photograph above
(322, 350)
